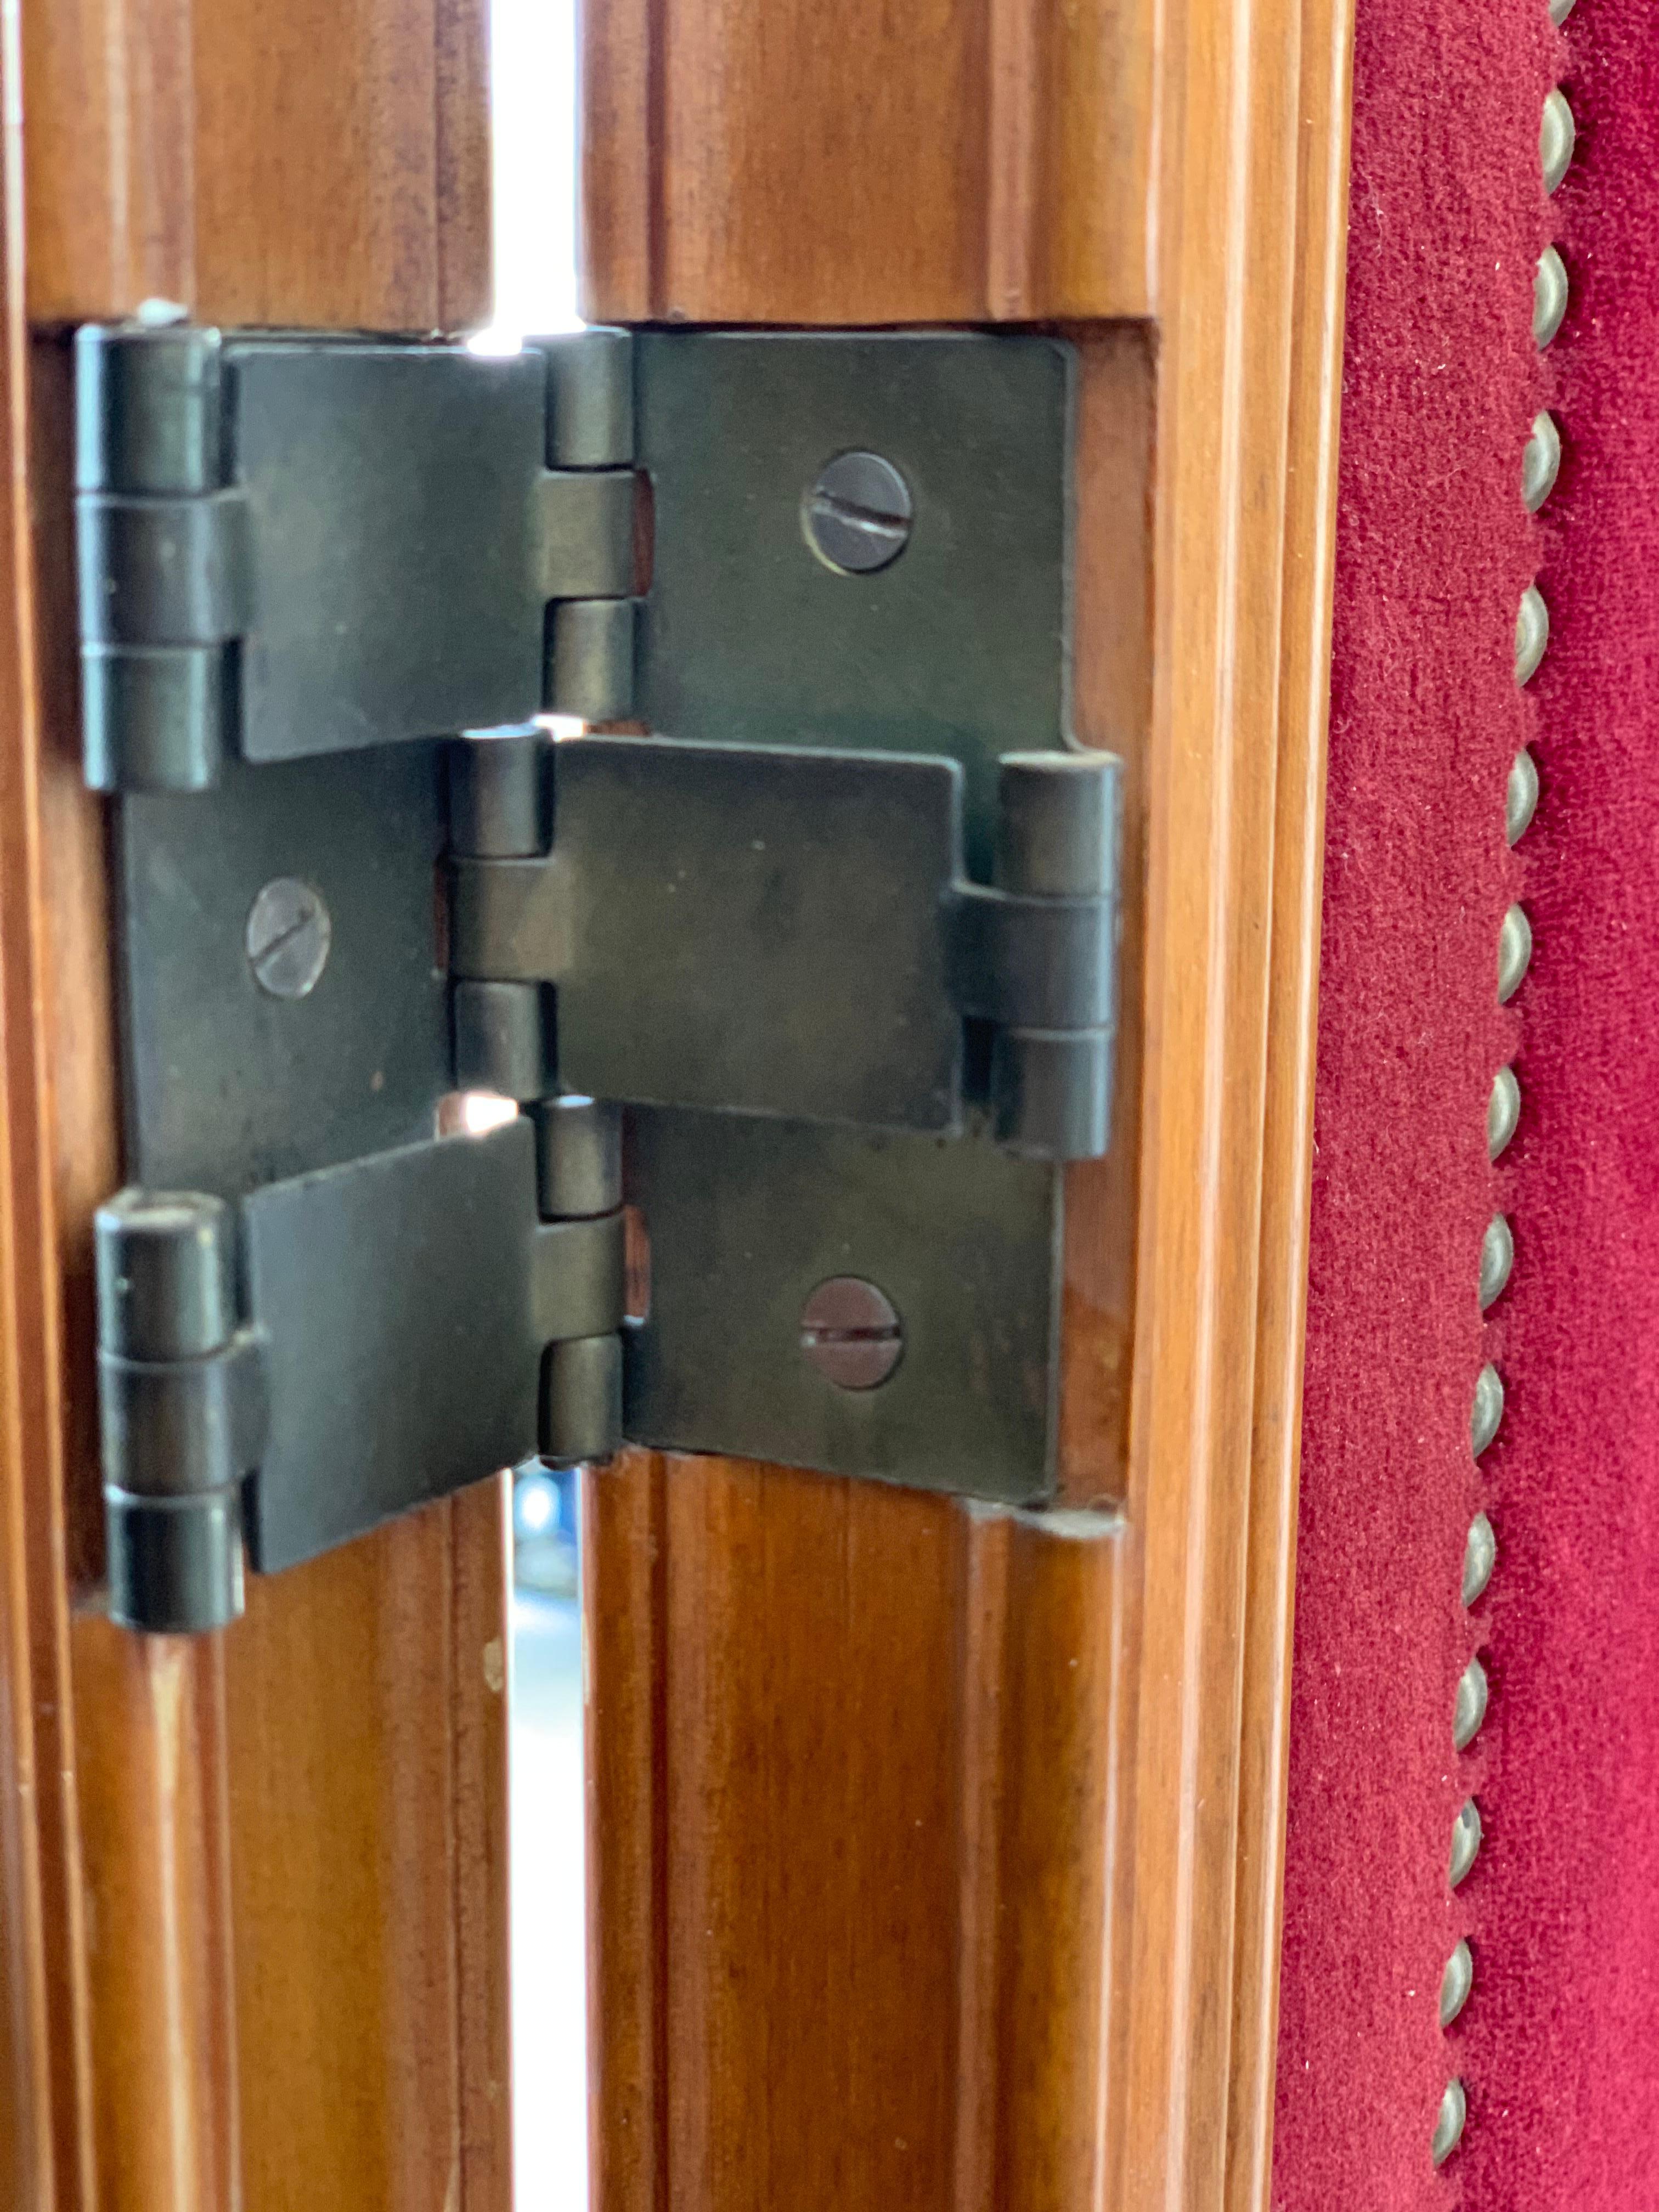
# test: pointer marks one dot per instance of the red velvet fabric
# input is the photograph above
(1558, 2047)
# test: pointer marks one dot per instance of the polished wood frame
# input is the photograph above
(253, 1888)
(937, 1856)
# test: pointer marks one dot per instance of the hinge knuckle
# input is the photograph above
(1058, 823)
(590, 649)
(578, 1285)
(584, 533)
(509, 919)
(154, 717)
(1051, 1093)
(148, 415)
(582, 1404)
(175, 1565)
(590, 378)
(1035, 962)
(578, 1157)
(581, 1289)
(500, 794)
(504, 1039)
(165, 570)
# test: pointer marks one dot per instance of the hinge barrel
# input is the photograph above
(182, 1408)
(161, 556)
(580, 1287)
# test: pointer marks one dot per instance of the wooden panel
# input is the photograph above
(259, 1899)
(848, 1936)
(373, 1821)
(773, 1830)
(150, 1762)
(323, 161)
(786, 161)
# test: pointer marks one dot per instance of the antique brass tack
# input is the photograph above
(1488, 1408)
(1540, 462)
(1448, 2127)
(1456, 1984)
(1496, 1258)
(1556, 135)
(1514, 953)
(1520, 797)
(1469, 1709)
(1502, 1111)
(1465, 1844)
(1480, 1557)
(1549, 297)
(1532, 634)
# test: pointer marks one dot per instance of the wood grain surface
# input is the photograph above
(786, 161)
(324, 162)
(255, 1885)
(937, 1853)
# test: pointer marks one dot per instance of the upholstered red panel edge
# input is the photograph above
(1556, 2046)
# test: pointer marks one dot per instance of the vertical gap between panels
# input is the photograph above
(533, 121)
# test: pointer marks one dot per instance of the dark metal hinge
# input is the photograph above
(837, 940)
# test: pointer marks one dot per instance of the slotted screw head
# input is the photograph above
(1469, 1708)
(1520, 797)
(1449, 2124)
(851, 1333)
(1549, 297)
(1479, 1558)
(288, 937)
(1502, 1111)
(1456, 1984)
(857, 514)
(1487, 1410)
(1496, 1259)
